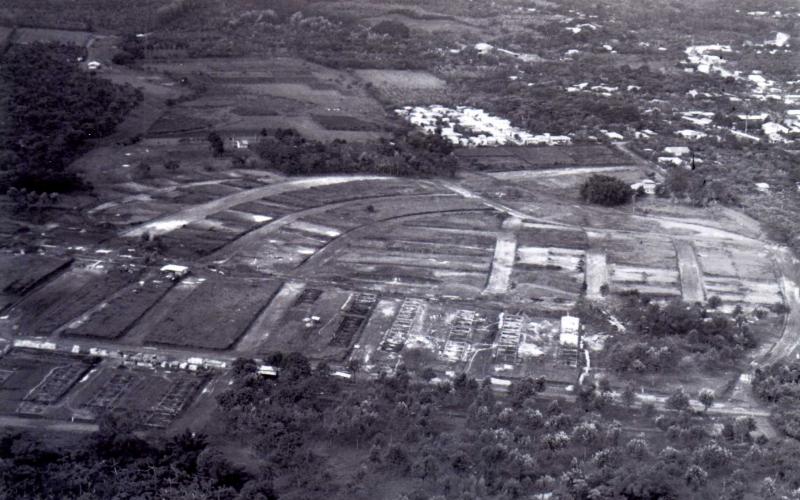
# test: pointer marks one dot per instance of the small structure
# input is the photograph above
(647, 185)
(677, 150)
(762, 187)
(267, 371)
(672, 160)
(342, 374)
(94, 65)
(174, 271)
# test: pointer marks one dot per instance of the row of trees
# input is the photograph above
(409, 154)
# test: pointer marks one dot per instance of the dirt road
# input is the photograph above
(691, 278)
(505, 251)
(596, 273)
(194, 213)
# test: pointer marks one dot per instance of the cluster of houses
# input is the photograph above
(473, 127)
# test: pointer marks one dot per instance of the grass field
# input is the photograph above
(215, 314)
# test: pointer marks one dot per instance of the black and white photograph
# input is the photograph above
(400, 250)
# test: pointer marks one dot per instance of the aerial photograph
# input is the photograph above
(400, 249)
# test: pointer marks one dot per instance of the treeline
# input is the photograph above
(53, 109)
(116, 463)
(408, 154)
(779, 384)
(667, 334)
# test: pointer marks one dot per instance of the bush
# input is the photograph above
(391, 28)
(606, 190)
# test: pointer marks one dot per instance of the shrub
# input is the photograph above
(606, 190)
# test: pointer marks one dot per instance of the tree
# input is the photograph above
(696, 477)
(216, 143)
(394, 29)
(172, 165)
(706, 397)
(143, 169)
(714, 302)
(678, 400)
(629, 395)
(605, 190)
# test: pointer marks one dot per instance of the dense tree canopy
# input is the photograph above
(409, 154)
(54, 107)
(606, 190)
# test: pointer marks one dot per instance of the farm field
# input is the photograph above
(214, 314)
(62, 300)
(19, 274)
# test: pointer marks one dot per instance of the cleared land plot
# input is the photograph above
(114, 317)
(344, 122)
(744, 292)
(37, 377)
(64, 299)
(317, 339)
(190, 242)
(32, 35)
(647, 281)
(156, 397)
(244, 95)
(531, 236)
(402, 87)
(21, 273)
(636, 250)
(542, 282)
(734, 260)
(215, 314)
(543, 157)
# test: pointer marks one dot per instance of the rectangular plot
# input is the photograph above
(57, 383)
(215, 314)
(548, 237)
(307, 297)
(65, 299)
(360, 304)
(395, 338)
(348, 327)
(117, 315)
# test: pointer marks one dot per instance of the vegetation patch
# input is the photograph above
(54, 108)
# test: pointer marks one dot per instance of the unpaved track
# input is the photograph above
(505, 252)
(691, 278)
(254, 237)
(259, 331)
(596, 273)
(787, 346)
(194, 213)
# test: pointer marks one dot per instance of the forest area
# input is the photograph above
(54, 109)
(313, 436)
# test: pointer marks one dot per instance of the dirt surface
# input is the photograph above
(691, 281)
